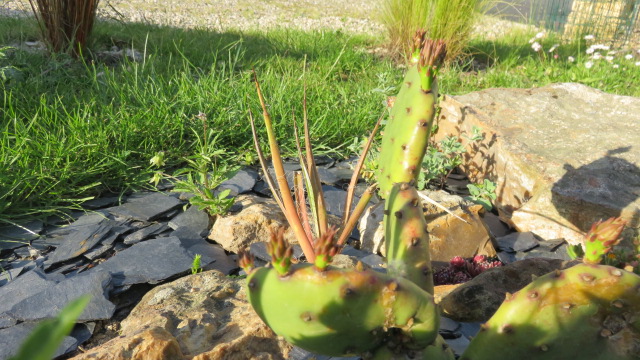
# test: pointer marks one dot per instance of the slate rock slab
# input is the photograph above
(150, 261)
(23, 287)
(558, 165)
(79, 242)
(193, 218)
(13, 236)
(515, 242)
(144, 233)
(11, 339)
(242, 182)
(51, 300)
(146, 207)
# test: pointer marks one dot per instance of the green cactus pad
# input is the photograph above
(406, 237)
(585, 312)
(340, 312)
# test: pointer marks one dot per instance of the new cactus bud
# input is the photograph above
(246, 261)
(326, 248)
(406, 237)
(343, 312)
(601, 238)
(584, 312)
(280, 251)
(406, 134)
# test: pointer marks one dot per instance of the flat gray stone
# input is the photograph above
(327, 176)
(335, 198)
(193, 218)
(88, 219)
(150, 261)
(11, 339)
(515, 242)
(7, 321)
(10, 275)
(23, 287)
(22, 233)
(146, 207)
(51, 300)
(145, 233)
(545, 252)
(99, 203)
(78, 242)
(558, 166)
(241, 182)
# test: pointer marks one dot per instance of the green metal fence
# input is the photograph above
(614, 21)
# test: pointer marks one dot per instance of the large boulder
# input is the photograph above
(563, 156)
(200, 317)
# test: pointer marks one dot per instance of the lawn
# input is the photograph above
(72, 130)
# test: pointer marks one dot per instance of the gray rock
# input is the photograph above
(497, 227)
(7, 321)
(327, 176)
(193, 218)
(146, 207)
(97, 251)
(150, 261)
(545, 252)
(335, 199)
(51, 300)
(242, 182)
(351, 251)
(12, 338)
(259, 250)
(78, 242)
(12, 236)
(515, 242)
(10, 275)
(374, 261)
(448, 324)
(99, 203)
(569, 170)
(458, 345)
(23, 287)
(83, 221)
(144, 233)
(214, 257)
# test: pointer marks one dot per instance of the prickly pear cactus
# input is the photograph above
(407, 131)
(584, 312)
(406, 237)
(342, 312)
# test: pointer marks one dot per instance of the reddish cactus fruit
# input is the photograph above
(280, 251)
(602, 237)
(326, 248)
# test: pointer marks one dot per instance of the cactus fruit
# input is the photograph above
(344, 312)
(584, 312)
(406, 237)
(601, 238)
(408, 128)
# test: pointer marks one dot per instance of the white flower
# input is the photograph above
(637, 63)
(532, 40)
(553, 48)
(571, 59)
(589, 37)
(588, 64)
(590, 50)
(540, 35)
(536, 46)
(597, 56)
(615, 66)
(612, 52)
(638, 51)
(608, 58)
(628, 56)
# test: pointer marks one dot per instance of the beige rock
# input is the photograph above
(479, 298)
(563, 156)
(448, 235)
(201, 317)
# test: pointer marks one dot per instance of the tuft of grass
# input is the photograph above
(450, 20)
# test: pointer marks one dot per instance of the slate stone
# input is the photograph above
(146, 207)
(22, 233)
(80, 241)
(343, 175)
(23, 252)
(85, 220)
(100, 203)
(241, 182)
(545, 252)
(7, 321)
(517, 241)
(506, 257)
(327, 176)
(469, 329)
(448, 324)
(150, 261)
(23, 287)
(82, 332)
(351, 251)
(374, 260)
(458, 345)
(67, 267)
(12, 338)
(193, 218)
(51, 300)
(97, 251)
(259, 250)
(10, 275)
(335, 198)
(262, 188)
(144, 233)
(214, 258)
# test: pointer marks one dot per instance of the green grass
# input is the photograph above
(73, 130)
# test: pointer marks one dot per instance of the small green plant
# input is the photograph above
(5, 69)
(205, 171)
(47, 337)
(483, 193)
(196, 266)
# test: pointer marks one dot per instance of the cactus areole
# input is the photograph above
(342, 312)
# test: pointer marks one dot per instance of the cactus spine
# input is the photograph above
(406, 237)
(584, 312)
(409, 126)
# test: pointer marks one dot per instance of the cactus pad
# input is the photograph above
(584, 312)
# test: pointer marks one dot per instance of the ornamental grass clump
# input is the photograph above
(65, 24)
